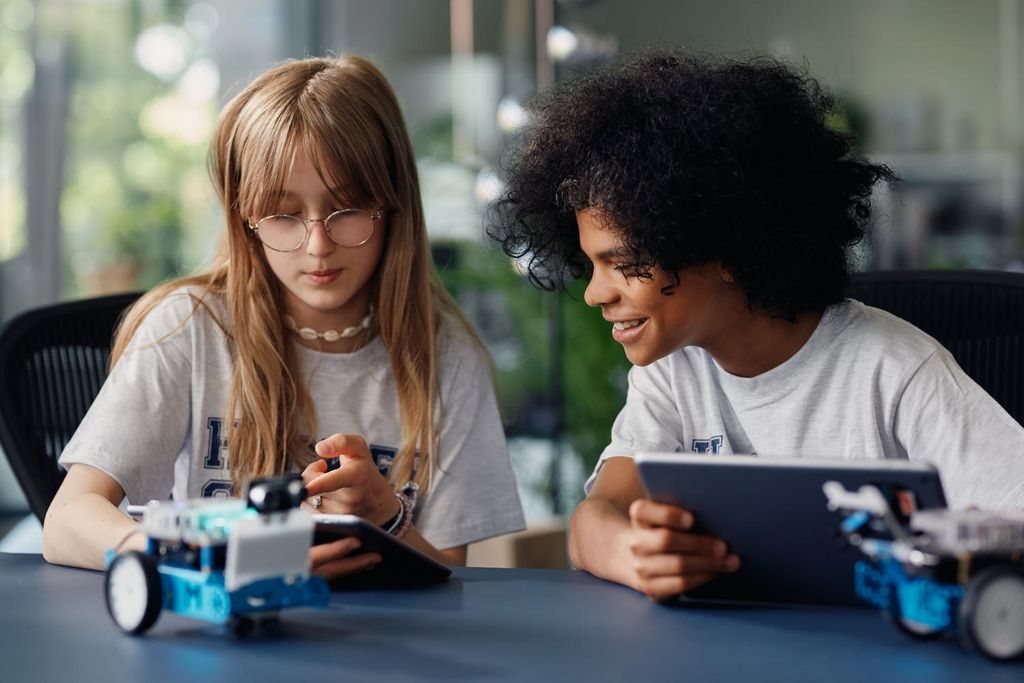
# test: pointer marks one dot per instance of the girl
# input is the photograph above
(322, 314)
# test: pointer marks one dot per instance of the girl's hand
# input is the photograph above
(668, 558)
(355, 488)
(335, 559)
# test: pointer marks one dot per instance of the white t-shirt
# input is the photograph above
(866, 384)
(157, 426)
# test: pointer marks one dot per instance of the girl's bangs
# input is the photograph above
(264, 167)
(360, 179)
(345, 138)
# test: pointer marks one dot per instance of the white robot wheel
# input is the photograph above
(992, 613)
(133, 592)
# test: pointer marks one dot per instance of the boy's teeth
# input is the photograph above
(626, 325)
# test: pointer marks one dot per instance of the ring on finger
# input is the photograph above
(317, 502)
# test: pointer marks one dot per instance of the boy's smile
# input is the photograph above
(623, 331)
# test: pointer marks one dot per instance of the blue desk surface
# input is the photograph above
(484, 624)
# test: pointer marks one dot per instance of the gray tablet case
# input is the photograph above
(773, 514)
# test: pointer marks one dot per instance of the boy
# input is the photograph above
(712, 209)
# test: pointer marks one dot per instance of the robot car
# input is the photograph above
(938, 571)
(222, 560)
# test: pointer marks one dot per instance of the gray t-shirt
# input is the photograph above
(157, 426)
(865, 385)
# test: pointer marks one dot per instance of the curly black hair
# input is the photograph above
(693, 160)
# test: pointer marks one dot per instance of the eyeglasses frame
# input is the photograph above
(375, 217)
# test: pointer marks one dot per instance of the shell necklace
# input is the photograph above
(330, 335)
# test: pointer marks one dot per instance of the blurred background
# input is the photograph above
(106, 107)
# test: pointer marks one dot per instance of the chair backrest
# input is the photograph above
(977, 314)
(53, 361)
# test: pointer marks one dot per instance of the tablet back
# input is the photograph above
(773, 514)
(400, 565)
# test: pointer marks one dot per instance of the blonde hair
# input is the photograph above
(343, 113)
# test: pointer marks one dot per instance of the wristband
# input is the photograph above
(394, 521)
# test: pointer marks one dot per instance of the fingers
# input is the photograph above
(664, 588)
(657, 540)
(343, 446)
(336, 559)
(683, 565)
(344, 501)
(308, 507)
(327, 552)
(349, 565)
(313, 470)
(661, 577)
(356, 465)
(353, 476)
(668, 559)
(647, 513)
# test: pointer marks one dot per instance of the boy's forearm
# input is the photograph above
(598, 541)
(79, 531)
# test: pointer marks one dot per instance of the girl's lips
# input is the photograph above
(323, 277)
(629, 335)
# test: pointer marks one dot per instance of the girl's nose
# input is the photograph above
(319, 241)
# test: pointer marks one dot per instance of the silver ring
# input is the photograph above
(317, 502)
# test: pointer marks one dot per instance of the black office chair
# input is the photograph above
(53, 361)
(977, 314)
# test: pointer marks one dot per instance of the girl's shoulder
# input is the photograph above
(458, 345)
(179, 312)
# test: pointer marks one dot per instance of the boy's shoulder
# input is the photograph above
(849, 332)
(867, 330)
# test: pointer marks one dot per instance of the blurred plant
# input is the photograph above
(146, 234)
(510, 317)
(594, 369)
(851, 118)
(591, 365)
(136, 138)
(17, 72)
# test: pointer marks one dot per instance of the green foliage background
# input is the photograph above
(591, 366)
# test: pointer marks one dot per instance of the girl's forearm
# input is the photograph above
(453, 557)
(78, 531)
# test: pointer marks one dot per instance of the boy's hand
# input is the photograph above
(355, 488)
(667, 558)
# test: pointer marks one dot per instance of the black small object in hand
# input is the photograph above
(276, 494)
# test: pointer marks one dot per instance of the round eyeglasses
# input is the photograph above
(345, 227)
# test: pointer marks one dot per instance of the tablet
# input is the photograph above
(401, 564)
(773, 513)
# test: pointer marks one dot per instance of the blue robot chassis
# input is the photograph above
(226, 561)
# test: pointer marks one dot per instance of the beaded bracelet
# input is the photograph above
(399, 525)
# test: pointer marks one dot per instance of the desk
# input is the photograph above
(491, 624)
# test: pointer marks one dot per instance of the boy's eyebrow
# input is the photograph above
(615, 252)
